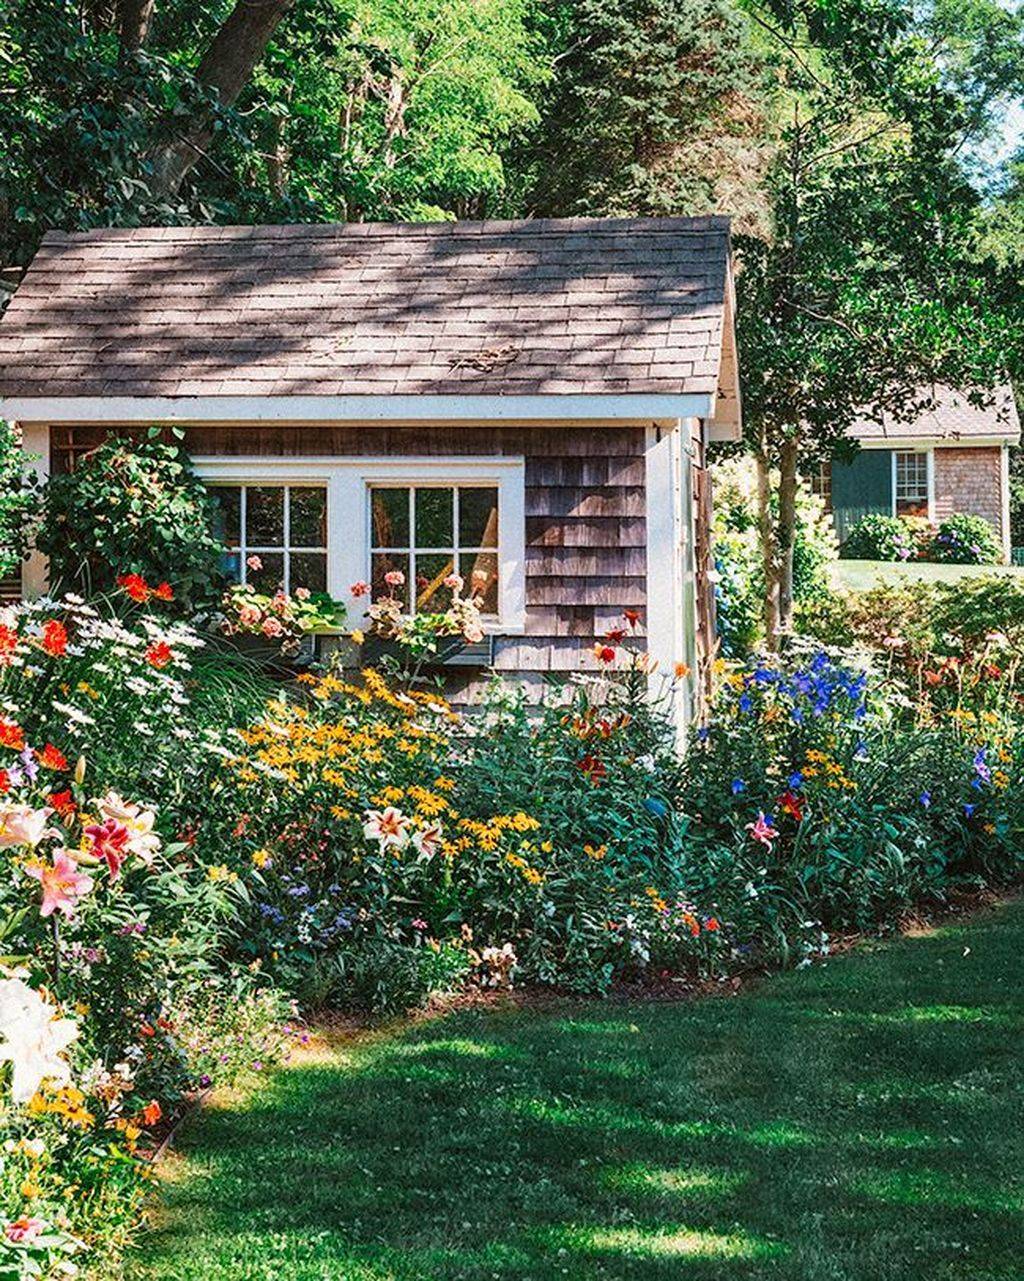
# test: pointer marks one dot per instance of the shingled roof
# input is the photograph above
(540, 307)
(953, 419)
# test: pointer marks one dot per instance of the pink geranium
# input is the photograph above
(254, 562)
(360, 589)
(394, 578)
(62, 881)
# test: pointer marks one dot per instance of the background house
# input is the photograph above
(954, 458)
(530, 400)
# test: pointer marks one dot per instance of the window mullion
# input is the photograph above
(243, 516)
(287, 539)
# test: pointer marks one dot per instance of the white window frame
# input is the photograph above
(929, 456)
(349, 481)
(287, 549)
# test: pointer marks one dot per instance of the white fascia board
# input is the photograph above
(923, 443)
(638, 408)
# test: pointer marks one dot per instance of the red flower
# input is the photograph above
(135, 586)
(792, 805)
(151, 1113)
(11, 735)
(592, 767)
(52, 758)
(631, 616)
(5, 782)
(62, 803)
(108, 841)
(711, 923)
(616, 635)
(8, 644)
(163, 591)
(55, 638)
(604, 653)
(159, 654)
(146, 1030)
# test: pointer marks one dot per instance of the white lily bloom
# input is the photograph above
(32, 1039)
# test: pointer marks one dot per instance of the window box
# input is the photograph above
(452, 651)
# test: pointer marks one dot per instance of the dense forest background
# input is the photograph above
(864, 149)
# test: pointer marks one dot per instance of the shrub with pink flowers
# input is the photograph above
(280, 620)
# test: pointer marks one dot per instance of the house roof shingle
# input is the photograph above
(953, 419)
(588, 306)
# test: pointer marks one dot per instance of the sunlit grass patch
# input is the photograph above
(694, 1181)
(657, 1242)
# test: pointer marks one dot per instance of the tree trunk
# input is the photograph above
(766, 532)
(786, 532)
(133, 22)
(224, 69)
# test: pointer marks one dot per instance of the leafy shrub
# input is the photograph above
(878, 537)
(739, 591)
(19, 501)
(131, 507)
(965, 540)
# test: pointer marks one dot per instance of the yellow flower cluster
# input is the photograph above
(67, 1103)
(821, 765)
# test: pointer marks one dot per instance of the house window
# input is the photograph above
(429, 532)
(911, 483)
(275, 535)
(821, 484)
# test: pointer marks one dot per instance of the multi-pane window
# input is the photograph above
(911, 483)
(275, 535)
(429, 532)
(821, 483)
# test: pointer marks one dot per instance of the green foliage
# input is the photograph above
(648, 111)
(914, 620)
(878, 537)
(964, 539)
(132, 507)
(19, 501)
(357, 110)
(739, 561)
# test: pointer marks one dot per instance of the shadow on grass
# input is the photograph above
(857, 1122)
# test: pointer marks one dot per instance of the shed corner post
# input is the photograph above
(35, 445)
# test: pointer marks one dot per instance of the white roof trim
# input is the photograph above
(355, 409)
(937, 442)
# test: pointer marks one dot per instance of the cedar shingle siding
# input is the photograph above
(586, 531)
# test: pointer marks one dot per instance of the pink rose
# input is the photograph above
(249, 615)
(272, 627)
(302, 593)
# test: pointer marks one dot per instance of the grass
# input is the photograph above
(860, 1121)
(860, 575)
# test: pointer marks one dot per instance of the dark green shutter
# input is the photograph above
(861, 487)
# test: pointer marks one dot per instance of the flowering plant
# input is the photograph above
(420, 632)
(281, 619)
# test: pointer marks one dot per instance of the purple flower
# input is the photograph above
(738, 786)
(969, 809)
(926, 799)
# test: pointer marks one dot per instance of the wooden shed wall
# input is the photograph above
(586, 557)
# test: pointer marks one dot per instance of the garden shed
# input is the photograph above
(530, 399)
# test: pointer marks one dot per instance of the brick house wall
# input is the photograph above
(970, 480)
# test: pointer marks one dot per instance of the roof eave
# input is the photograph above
(296, 409)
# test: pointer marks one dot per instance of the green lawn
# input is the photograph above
(861, 1121)
(863, 574)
